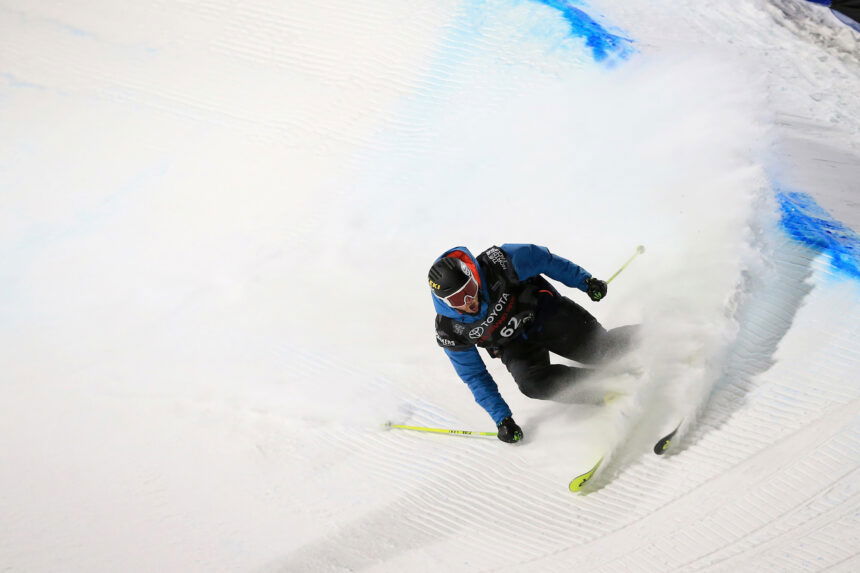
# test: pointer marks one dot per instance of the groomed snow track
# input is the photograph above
(217, 217)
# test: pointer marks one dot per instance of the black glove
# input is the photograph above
(509, 431)
(596, 289)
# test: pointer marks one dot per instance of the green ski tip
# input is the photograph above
(579, 481)
(663, 443)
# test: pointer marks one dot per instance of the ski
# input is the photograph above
(580, 480)
(663, 443)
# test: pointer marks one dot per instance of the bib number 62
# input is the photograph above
(510, 327)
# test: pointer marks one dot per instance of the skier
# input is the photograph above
(500, 302)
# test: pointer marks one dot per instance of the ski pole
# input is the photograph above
(439, 430)
(639, 250)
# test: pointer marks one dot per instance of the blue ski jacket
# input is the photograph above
(528, 261)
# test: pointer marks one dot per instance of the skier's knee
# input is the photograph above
(618, 341)
(538, 383)
(532, 389)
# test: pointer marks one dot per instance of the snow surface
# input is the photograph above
(216, 222)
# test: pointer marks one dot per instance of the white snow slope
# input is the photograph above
(217, 219)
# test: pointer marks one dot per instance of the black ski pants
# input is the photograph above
(564, 328)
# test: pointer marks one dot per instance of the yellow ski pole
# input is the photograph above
(639, 250)
(439, 430)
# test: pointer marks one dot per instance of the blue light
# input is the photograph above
(602, 42)
(807, 222)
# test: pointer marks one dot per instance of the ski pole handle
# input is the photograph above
(439, 430)
(639, 250)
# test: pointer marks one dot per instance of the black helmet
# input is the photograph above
(447, 276)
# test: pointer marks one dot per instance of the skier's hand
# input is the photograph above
(509, 431)
(596, 289)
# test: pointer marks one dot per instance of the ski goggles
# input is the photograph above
(464, 296)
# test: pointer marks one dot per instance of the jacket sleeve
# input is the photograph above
(532, 260)
(471, 369)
